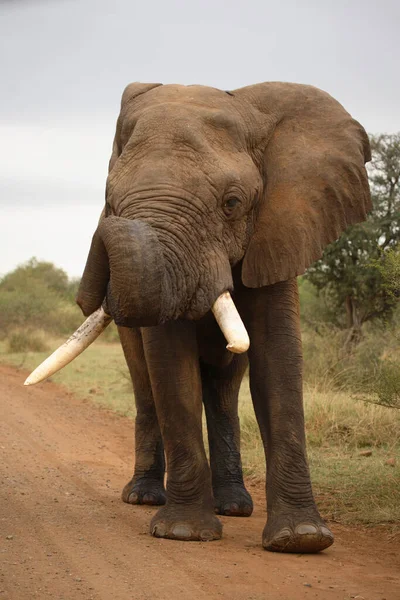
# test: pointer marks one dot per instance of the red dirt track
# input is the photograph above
(65, 533)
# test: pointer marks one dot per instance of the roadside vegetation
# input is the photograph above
(351, 338)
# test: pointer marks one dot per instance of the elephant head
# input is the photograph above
(201, 180)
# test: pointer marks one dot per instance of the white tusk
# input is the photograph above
(77, 343)
(228, 318)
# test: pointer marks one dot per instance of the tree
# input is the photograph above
(389, 268)
(38, 295)
(348, 273)
(34, 271)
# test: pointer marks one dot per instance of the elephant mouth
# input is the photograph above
(149, 273)
(224, 311)
(130, 278)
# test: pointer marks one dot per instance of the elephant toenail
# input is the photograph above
(231, 508)
(181, 531)
(326, 532)
(206, 535)
(133, 498)
(247, 510)
(159, 530)
(306, 529)
(148, 499)
(284, 535)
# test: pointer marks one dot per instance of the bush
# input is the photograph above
(316, 307)
(33, 307)
(385, 388)
(21, 340)
(53, 278)
(65, 319)
(370, 371)
(38, 295)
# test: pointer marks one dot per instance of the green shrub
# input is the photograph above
(52, 277)
(384, 388)
(21, 340)
(315, 307)
(38, 295)
(66, 319)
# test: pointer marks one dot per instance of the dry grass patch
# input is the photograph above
(23, 340)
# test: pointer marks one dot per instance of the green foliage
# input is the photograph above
(385, 390)
(389, 267)
(72, 289)
(348, 272)
(37, 295)
(370, 371)
(315, 306)
(34, 271)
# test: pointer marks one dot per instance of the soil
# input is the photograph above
(65, 533)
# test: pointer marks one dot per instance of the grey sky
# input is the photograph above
(64, 64)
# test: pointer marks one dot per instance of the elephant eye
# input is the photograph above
(230, 204)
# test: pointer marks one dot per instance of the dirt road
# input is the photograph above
(65, 534)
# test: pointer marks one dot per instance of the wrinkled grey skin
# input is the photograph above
(211, 191)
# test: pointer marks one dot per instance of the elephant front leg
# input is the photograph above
(172, 358)
(272, 316)
(147, 483)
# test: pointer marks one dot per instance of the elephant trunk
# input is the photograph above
(126, 277)
(125, 266)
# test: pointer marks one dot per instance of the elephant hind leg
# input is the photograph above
(147, 483)
(221, 386)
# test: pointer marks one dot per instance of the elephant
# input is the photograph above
(213, 195)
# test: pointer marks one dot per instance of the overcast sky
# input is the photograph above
(64, 64)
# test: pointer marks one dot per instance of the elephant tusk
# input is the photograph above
(224, 310)
(75, 345)
(228, 318)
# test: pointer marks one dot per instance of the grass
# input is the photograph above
(350, 487)
(100, 373)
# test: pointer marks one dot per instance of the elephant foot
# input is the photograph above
(298, 532)
(144, 491)
(186, 524)
(233, 501)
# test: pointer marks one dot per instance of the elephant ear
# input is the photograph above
(315, 183)
(123, 129)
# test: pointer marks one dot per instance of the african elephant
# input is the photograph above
(211, 192)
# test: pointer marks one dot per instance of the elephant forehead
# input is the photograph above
(195, 95)
(183, 123)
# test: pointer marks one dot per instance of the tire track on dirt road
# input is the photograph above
(65, 533)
